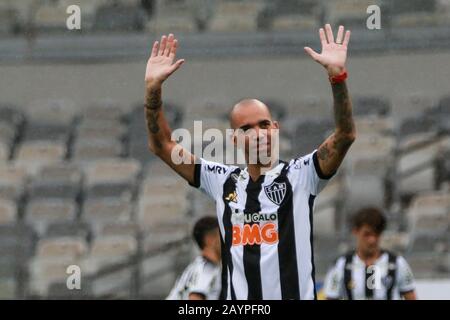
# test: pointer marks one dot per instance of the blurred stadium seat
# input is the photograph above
(40, 213)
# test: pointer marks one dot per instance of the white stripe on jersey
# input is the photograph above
(201, 277)
(265, 227)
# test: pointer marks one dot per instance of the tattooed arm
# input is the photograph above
(332, 151)
(333, 56)
(159, 67)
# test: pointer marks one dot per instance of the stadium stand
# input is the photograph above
(78, 185)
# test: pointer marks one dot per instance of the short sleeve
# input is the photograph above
(334, 281)
(405, 278)
(205, 281)
(306, 171)
(210, 176)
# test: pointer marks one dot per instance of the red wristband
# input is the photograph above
(339, 78)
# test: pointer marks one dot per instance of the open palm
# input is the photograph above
(161, 64)
(334, 53)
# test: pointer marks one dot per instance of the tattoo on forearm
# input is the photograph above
(342, 108)
(153, 100)
(153, 126)
(152, 120)
(153, 106)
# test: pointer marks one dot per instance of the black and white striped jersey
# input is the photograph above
(350, 278)
(201, 277)
(266, 227)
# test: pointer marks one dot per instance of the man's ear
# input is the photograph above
(208, 240)
(276, 125)
(354, 231)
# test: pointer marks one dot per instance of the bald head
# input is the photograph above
(248, 111)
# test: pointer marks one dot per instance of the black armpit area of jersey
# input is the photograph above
(197, 171)
(319, 171)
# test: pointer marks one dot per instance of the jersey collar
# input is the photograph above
(274, 172)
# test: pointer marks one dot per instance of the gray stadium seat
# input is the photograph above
(101, 129)
(16, 247)
(367, 166)
(418, 124)
(309, 134)
(61, 248)
(327, 207)
(119, 17)
(171, 17)
(56, 112)
(120, 229)
(40, 213)
(371, 105)
(406, 106)
(370, 125)
(112, 178)
(62, 180)
(112, 170)
(34, 155)
(429, 220)
(8, 212)
(98, 212)
(350, 13)
(232, 16)
(444, 167)
(398, 6)
(124, 191)
(151, 214)
(107, 250)
(9, 20)
(4, 152)
(7, 133)
(10, 114)
(12, 182)
(47, 132)
(287, 15)
(50, 16)
(86, 151)
(71, 229)
(102, 111)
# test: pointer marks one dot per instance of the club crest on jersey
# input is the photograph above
(276, 192)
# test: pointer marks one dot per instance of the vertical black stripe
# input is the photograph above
(348, 281)
(252, 253)
(392, 274)
(287, 255)
(224, 289)
(311, 241)
(228, 187)
(369, 291)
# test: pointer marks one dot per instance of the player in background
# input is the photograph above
(201, 279)
(369, 272)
